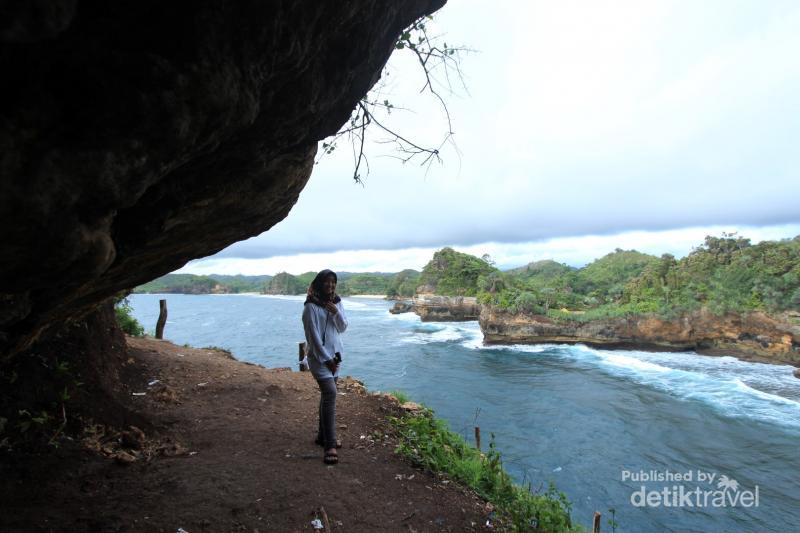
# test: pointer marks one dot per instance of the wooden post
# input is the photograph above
(162, 319)
(478, 437)
(596, 522)
(326, 524)
(301, 354)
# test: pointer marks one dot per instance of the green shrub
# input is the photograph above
(427, 442)
(125, 319)
(401, 396)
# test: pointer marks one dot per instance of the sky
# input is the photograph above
(580, 127)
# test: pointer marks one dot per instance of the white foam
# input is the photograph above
(629, 362)
(292, 297)
(405, 317)
(426, 332)
(447, 333)
(349, 303)
(764, 395)
(730, 386)
(473, 340)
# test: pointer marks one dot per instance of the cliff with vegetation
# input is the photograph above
(727, 296)
(447, 287)
(452, 273)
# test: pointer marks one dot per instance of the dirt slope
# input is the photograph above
(228, 446)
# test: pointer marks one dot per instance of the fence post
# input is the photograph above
(162, 319)
(596, 522)
(478, 438)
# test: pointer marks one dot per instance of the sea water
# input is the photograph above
(670, 441)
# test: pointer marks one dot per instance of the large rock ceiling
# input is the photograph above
(135, 136)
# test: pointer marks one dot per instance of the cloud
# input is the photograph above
(575, 251)
(581, 119)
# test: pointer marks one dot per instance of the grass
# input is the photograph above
(401, 396)
(428, 442)
(216, 349)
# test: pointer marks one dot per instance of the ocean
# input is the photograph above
(670, 441)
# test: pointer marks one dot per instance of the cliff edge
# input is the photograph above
(753, 336)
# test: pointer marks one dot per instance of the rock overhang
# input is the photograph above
(138, 136)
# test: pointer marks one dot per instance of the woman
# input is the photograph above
(323, 321)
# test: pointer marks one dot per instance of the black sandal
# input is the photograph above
(330, 458)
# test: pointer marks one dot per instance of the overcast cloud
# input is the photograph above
(582, 119)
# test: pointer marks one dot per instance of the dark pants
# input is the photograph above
(327, 412)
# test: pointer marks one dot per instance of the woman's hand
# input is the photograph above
(332, 365)
(331, 308)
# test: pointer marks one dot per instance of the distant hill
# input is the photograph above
(543, 270)
(403, 284)
(194, 284)
(366, 283)
(605, 278)
(285, 283)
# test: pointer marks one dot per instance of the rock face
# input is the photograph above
(401, 307)
(434, 308)
(751, 336)
(137, 136)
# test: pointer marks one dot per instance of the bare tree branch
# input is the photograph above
(431, 56)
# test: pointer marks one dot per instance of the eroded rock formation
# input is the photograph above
(401, 307)
(435, 308)
(749, 336)
(136, 136)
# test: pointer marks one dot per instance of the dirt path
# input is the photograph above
(229, 447)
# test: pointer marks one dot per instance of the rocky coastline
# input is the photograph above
(753, 336)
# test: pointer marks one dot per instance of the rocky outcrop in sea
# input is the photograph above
(435, 308)
(754, 336)
(403, 306)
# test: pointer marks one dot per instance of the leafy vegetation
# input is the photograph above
(724, 274)
(285, 283)
(401, 396)
(366, 283)
(452, 273)
(427, 442)
(404, 284)
(125, 318)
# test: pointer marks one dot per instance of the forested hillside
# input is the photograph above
(724, 274)
(451, 273)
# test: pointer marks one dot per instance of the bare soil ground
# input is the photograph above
(228, 446)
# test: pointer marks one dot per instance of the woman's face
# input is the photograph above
(329, 286)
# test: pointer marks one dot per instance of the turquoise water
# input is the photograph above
(580, 417)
